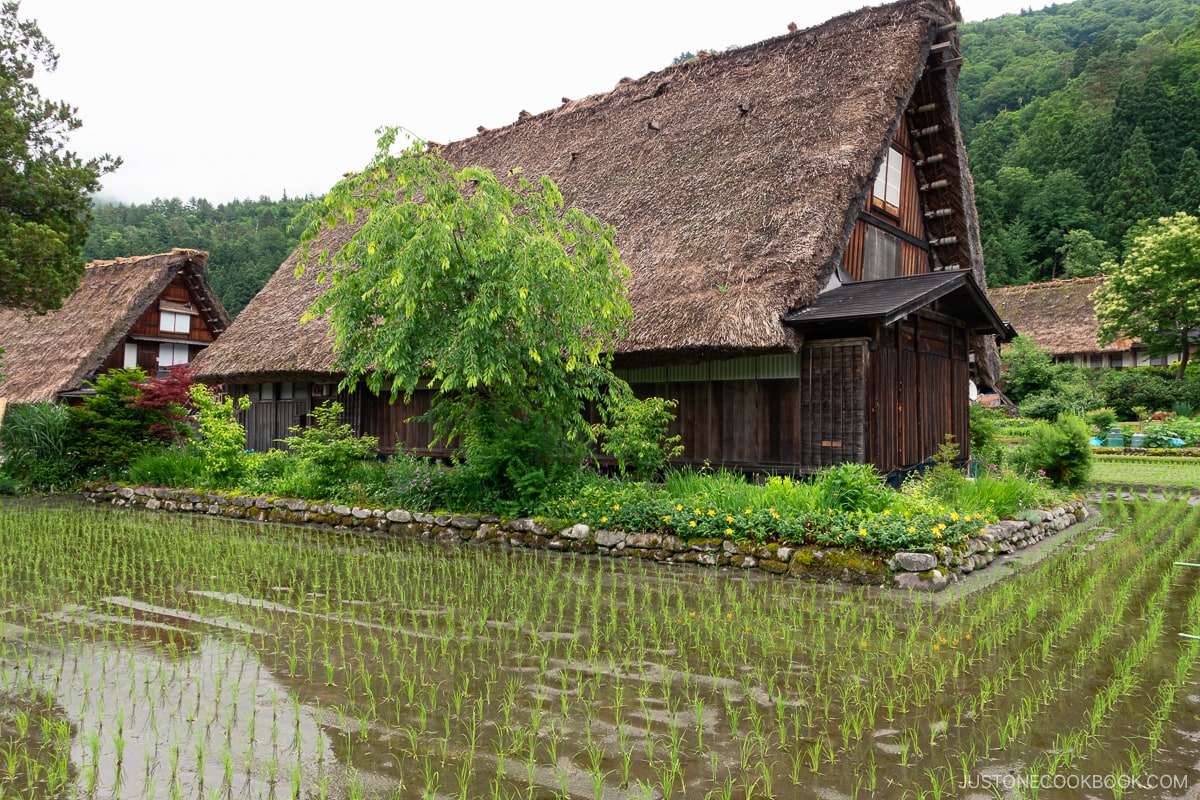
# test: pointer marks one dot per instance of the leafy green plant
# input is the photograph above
(634, 432)
(1060, 450)
(851, 487)
(328, 443)
(34, 445)
(512, 464)
(222, 438)
(179, 467)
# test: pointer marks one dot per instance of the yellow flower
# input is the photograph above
(692, 522)
(729, 518)
(695, 511)
(667, 518)
(616, 506)
(887, 512)
(604, 519)
(711, 512)
(942, 525)
(729, 531)
(967, 518)
(862, 531)
(678, 507)
(729, 616)
(911, 529)
(954, 516)
(585, 515)
(939, 534)
(747, 511)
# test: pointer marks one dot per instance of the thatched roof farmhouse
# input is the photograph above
(1061, 317)
(743, 188)
(126, 312)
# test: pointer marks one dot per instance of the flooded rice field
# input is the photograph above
(145, 655)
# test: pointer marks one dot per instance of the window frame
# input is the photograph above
(888, 181)
(174, 322)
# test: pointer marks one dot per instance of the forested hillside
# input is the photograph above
(247, 239)
(1081, 119)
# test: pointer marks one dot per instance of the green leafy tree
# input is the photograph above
(1028, 368)
(1135, 195)
(493, 293)
(1082, 253)
(45, 203)
(1154, 294)
(1186, 195)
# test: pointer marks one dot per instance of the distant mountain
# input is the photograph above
(1081, 119)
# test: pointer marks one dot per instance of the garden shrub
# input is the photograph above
(34, 443)
(634, 432)
(1060, 450)
(329, 453)
(511, 465)
(1154, 388)
(109, 429)
(222, 439)
(1101, 419)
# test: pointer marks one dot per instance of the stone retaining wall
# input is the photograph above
(923, 571)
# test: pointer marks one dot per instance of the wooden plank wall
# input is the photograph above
(832, 404)
(753, 424)
(918, 387)
(390, 422)
(267, 421)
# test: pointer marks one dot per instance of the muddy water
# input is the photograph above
(201, 660)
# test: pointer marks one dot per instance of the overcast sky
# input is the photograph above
(227, 99)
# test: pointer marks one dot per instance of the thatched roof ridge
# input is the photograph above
(1059, 315)
(733, 182)
(57, 351)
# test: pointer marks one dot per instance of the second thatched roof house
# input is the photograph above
(800, 226)
(1061, 317)
(151, 312)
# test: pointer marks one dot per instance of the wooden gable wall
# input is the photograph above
(149, 325)
(908, 227)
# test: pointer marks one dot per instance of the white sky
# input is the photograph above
(226, 99)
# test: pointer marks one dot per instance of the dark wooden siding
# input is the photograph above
(749, 423)
(833, 403)
(891, 406)
(918, 386)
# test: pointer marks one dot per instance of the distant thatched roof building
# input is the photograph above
(54, 353)
(734, 183)
(1058, 315)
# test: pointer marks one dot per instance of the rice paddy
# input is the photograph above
(1156, 471)
(149, 655)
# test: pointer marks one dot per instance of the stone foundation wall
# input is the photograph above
(921, 571)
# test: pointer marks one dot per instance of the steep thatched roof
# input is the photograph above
(1058, 315)
(57, 351)
(733, 182)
